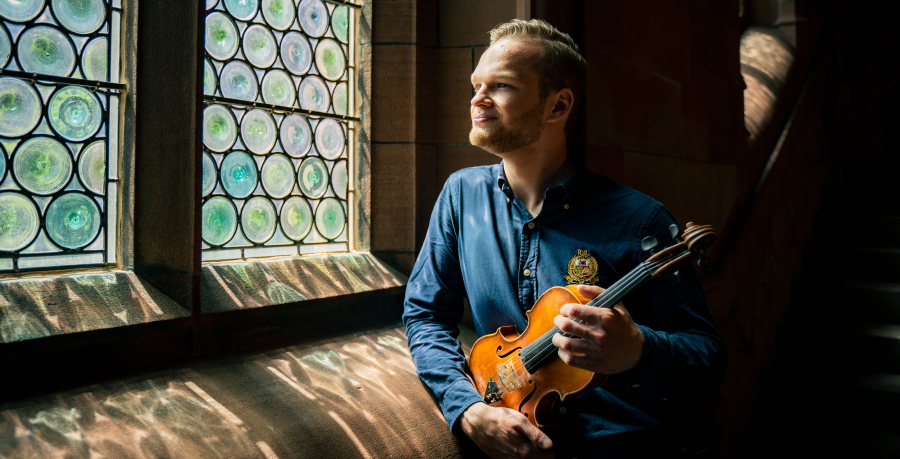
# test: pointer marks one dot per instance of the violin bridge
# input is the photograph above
(509, 374)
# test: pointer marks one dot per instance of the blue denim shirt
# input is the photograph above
(480, 242)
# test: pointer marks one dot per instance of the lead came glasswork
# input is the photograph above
(329, 138)
(313, 17)
(330, 218)
(73, 220)
(20, 107)
(296, 54)
(42, 165)
(296, 218)
(339, 179)
(210, 80)
(44, 49)
(242, 10)
(339, 99)
(259, 46)
(258, 131)
(330, 59)
(92, 167)
(219, 128)
(238, 174)
(94, 62)
(5, 46)
(258, 219)
(313, 94)
(295, 135)
(19, 221)
(340, 23)
(218, 220)
(313, 177)
(209, 174)
(238, 81)
(278, 176)
(278, 88)
(74, 113)
(80, 16)
(222, 38)
(21, 10)
(278, 13)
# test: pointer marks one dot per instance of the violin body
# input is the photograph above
(495, 359)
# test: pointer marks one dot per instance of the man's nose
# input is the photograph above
(480, 97)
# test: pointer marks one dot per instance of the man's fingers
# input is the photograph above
(576, 360)
(571, 327)
(534, 434)
(589, 291)
(572, 344)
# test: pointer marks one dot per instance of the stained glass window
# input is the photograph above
(278, 128)
(59, 99)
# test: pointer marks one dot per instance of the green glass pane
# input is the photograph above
(44, 49)
(80, 16)
(73, 220)
(75, 113)
(314, 94)
(242, 10)
(238, 81)
(313, 177)
(258, 131)
(218, 220)
(20, 107)
(278, 88)
(94, 62)
(296, 54)
(259, 46)
(339, 179)
(295, 135)
(42, 165)
(330, 59)
(5, 47)
(329, 138)
(19, 221)
(20, 10)
(92, 167)
(219, 128)
(313, 17)
(330, 218)
(278, 176)
(2, 164)
(209, 174)
(339, 99)
(258, 219)
(296, 218)
(340, 23)
(238, 174)
(222, 38)
(210, 80)
(278, 13)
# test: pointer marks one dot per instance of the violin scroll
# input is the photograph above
(699, 239)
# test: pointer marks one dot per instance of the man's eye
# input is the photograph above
(502, 85)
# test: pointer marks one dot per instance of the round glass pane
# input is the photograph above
(296, 218)
(296, 54)
(19, 221)
(2, 163)
(219, 128)
(210, 79)
(258, 219)
(278, 176)
(314, 94)
(330, 218)
(42, 165)
(5, 47)
(80, 16)
(259, 46)
(313, 177)
(278, 88)
(330, 59)
(242, 10)
(94, 63)
(238, 174)
(313, 17)
(92, 167)
(210, 4)
(21, 10)
(339, 99)
(20, 107)
(340, 23)
(329, 138)
(209, 174)
(238, 81)
(258, 131)
(339, 179)
(278, 13)
(44, 49)
(73, 220)
(222, 38)
(295, 135)
(218, 220)
(74, 113)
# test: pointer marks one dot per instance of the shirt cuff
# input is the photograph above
(457, 398)
(649, 372)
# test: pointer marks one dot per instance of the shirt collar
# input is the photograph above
(555, 195)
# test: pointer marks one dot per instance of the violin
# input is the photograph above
(524, 372)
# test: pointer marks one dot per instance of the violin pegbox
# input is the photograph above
(699, 239)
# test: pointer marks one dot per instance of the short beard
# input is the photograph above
(519, 132)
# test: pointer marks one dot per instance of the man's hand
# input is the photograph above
(504, 433)
(609, 341)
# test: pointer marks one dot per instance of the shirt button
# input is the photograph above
(565, 206)
(527, 272)
(530, 225)
(562, 410)
(636, 386)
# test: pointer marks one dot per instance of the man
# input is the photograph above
(501, 235)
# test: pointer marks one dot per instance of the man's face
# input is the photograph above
(507, 113)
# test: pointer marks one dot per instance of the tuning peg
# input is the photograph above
(673, 230)
(678, 277)
(704, 264)
(648, 243)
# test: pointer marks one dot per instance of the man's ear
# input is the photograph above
(563, 100)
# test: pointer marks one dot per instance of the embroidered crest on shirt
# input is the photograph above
(582, 269)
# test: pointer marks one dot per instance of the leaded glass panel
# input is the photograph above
(278, 128)
(59, 98)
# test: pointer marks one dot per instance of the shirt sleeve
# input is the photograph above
(433, 309)
(684, 354)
